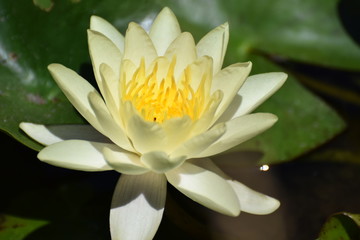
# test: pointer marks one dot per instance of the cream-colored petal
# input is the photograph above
(103, 50)
(239, 130)
(183, 48)
(137, 206)
(146, 136)
(250, 200)
(255, 90)
(161, 162)
(76, 154)
(229, 81)
(164, 30)
(205, 187)
(254, 202)
(174, 136)
(123, 161)
(138, 45)
(111, 129)
(207, 118)
(111, 90)
(48, 135)
(76, 89)
(99, 24)
(198, 70)
(214, 45)
(199, 143)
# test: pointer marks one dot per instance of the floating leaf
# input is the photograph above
(305, 121)
(15, 228)
(345, 226)
(31, 38)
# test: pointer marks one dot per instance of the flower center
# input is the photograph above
(161, 99)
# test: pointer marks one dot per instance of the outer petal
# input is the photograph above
(205, 187)
(138, 45)
(47, 135)
(183, 48)
(123, 161)
(161, 162)
(76, 154)
(199, 143)
(229, 81)
(103, 50)
(239, 130)
(254, 202)
(111, 90)
(137, 206)
(164, 30)
(214, 44)
(110, 127)
(250, 200)
(255, 90)
(76, 89)
(99, 24)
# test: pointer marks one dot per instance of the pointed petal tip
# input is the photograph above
(94, 19)
(24, 125)
(53, 66)
(167, 11)
(254, 202)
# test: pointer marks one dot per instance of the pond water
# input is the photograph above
(76, 204)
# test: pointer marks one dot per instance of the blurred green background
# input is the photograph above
(313, 151)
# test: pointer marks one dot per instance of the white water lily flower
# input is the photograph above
(164, 100)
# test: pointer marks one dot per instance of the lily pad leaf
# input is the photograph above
(305, 121)
(15, 228)
(344, 226)
(307, 31)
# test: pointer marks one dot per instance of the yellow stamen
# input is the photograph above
(161, 99)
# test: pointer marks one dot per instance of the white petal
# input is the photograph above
(124, 161)
(229, 81)
(255, 90)
(250, 200)
(254, 202)
(146, 136)
(214, 45)
(164, 30)
(103, 50)
(76, 154)
(47, 135)
(199, 143)
(110, 128)
(174, 136)
(239, 130)
(99, 24)
(111, 90)
(183, 48)
(207, 118)
(137, 206)
(138, 45)
(76, 89)
(161, 162)
(205, 187)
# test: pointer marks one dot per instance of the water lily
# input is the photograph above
(165, 106)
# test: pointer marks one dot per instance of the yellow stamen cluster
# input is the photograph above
(161, 99)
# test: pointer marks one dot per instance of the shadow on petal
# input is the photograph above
(137, 206)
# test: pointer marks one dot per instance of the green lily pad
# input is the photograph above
(344, 226)
(307, 31)
(34, 34)
(15, 228)
(295, 107)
